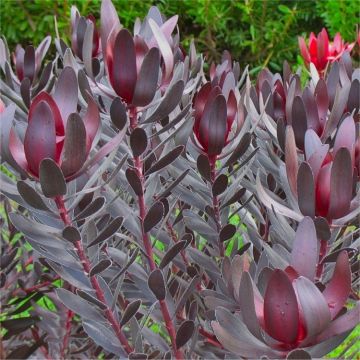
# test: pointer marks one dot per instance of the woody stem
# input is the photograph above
(170, 327)
(85, 262)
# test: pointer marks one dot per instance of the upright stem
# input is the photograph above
(322, 254)
(215, 201)
(147, 242)
(85, 262)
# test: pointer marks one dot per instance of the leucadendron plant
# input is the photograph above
(157, 210)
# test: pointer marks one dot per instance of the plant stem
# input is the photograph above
(215, 201)
(93, 279)
(65, 344)
(322, 254)
(170, 327)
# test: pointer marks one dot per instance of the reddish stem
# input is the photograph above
(215, 201)
(322, 254)
(35, 334)
(93, 279)
(147, 243)
(65, 344)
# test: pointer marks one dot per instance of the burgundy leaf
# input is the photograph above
(220, 185)
(109, 22)
(247, 306)
(123, 75)
(342, 324)
(340, 184)
(133, 179)
(156, 284)
(184, 333)
(339, 287)
(281, 312)
(130, 311)
(227, 232)
(153, 216)
(212, 130)
(304, 254)
(40, 137)
(74, 152)
(29, 63)
(166, 159)
(299, 121)
(291, 159)
(51, 179)
(146, 84)
(66, 93)
(306, 190)
(314, 308)
(118, 113)
(138, 141)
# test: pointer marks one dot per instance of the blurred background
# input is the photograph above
(260, 33)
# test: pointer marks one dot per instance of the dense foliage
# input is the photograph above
(262, 33)
(155, 207)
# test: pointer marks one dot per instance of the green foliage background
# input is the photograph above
(260, 33)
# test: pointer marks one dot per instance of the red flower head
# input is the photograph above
(133, 63)
(78, 28)
(321, 51)
(28, 62)
(216, 109)
(55, 130)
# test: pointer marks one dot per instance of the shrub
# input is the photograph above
(124, 166)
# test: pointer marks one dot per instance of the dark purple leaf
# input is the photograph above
(340, 184)
(171, 99)
(184, 333)
(118, 113)
(291, 159)
(95, 206)
(156, 284)
(123, 75)
(74, 152)
(31, 196)
(339, 287)
(71, 234)
(227, 232)
(101, 266)
(315, 310)
(153, 216)
(203, 166)
(130, 311)
(299, 121)
(171, 253)
(281, 314)
(66, 93)
(138, 141)
(146, 84)
(166, 159)
(134, 181)
(304, 255)
(108, 232)
(240, 149)
(51, 179)
(40, 137)
(86, 296)
(220, 185)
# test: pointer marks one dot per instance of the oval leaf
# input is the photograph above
(138, 141)
(156, 284)
(167, 159)
(153, 216)
(184, 333)
(130, 311)
(51, 179)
